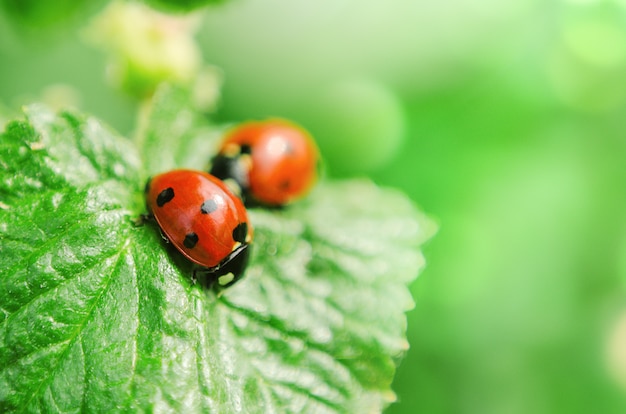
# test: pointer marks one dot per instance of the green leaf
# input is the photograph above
(181, 5)
(173, 134)
(43, 14)
(98, 314)
(66, 187)
(5, 115)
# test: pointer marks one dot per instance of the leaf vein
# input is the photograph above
(77, 332)
(54, 288)
(27, 258)
(307, 393)
(293, 334)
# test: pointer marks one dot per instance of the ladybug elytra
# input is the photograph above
(202, 218)
(273, 162)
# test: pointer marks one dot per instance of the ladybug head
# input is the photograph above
(233, 171)
(231, 269)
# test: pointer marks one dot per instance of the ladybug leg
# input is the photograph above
(163, 236)
(203, 275)
(144, 218)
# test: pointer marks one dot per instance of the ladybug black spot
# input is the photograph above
(165, 196)
(245, 149)
(208, 206)
(240, 232)
(284, 185)
(191, 240)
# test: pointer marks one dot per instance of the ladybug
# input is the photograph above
(272, 162)
(200, 216)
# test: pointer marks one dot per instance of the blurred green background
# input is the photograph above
(504, 121)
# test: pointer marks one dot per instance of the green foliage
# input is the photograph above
(98, 314)
(5, 115)
(145, 47)
(181, 5)
(170, 128)
(38, 14)
(357, 117)
(514, 140)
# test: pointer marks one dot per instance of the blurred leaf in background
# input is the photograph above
(503, 119)
(145, 47)
(181, 5)
(46, 15)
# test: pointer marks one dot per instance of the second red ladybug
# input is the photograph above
(203, 220)
(272, 162)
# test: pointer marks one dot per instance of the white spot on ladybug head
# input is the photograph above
(231, 150)
(246, 161)
(226, 279)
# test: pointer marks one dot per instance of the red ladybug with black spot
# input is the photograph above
(201, 217)
(272, 162)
